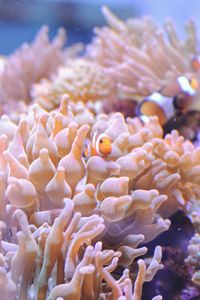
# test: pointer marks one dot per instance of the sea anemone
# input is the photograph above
(81, 79)
(75, 220)
(149, 65)
(130, 51)
(67, 221)
(29, 64)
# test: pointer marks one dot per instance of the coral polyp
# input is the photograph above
(81, 79)
(56, 205)
(76, 217)
(137, 56)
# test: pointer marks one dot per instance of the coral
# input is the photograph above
(65, 263)
(192, 260)
(112, 204)
(82, 79)
(130, 51)
(72, 225)
(51, 237)
(29, 64)
(174, 280)
(193, 257)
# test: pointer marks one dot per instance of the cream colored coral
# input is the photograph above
(65, 208)
(22, 69)
(86, 275)
(140, 57)
(82, 79)
(193, 258)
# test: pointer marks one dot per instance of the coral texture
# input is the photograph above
(64, 262)
(130, 51)
(70, 221)
(42, 164)
(192, 259)
(82, 79)
(74, 225)
(28, 65)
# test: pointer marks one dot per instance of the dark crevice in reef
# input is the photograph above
(187, 124)
(173, 282)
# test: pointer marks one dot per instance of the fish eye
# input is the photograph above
(101, 141)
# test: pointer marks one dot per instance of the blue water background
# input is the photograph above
(21, 19)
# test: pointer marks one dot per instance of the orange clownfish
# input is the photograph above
(195, 62)
(101, 145)
(165, 107)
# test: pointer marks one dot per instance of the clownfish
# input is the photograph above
(195, 63)
(188, 86)
(101, 145)
(165, 107)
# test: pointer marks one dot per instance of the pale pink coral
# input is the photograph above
(139, 58)
(192, 260)
(60, 268)
(38, 184)
(28, 65)
(81, 79)
(111, 205)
